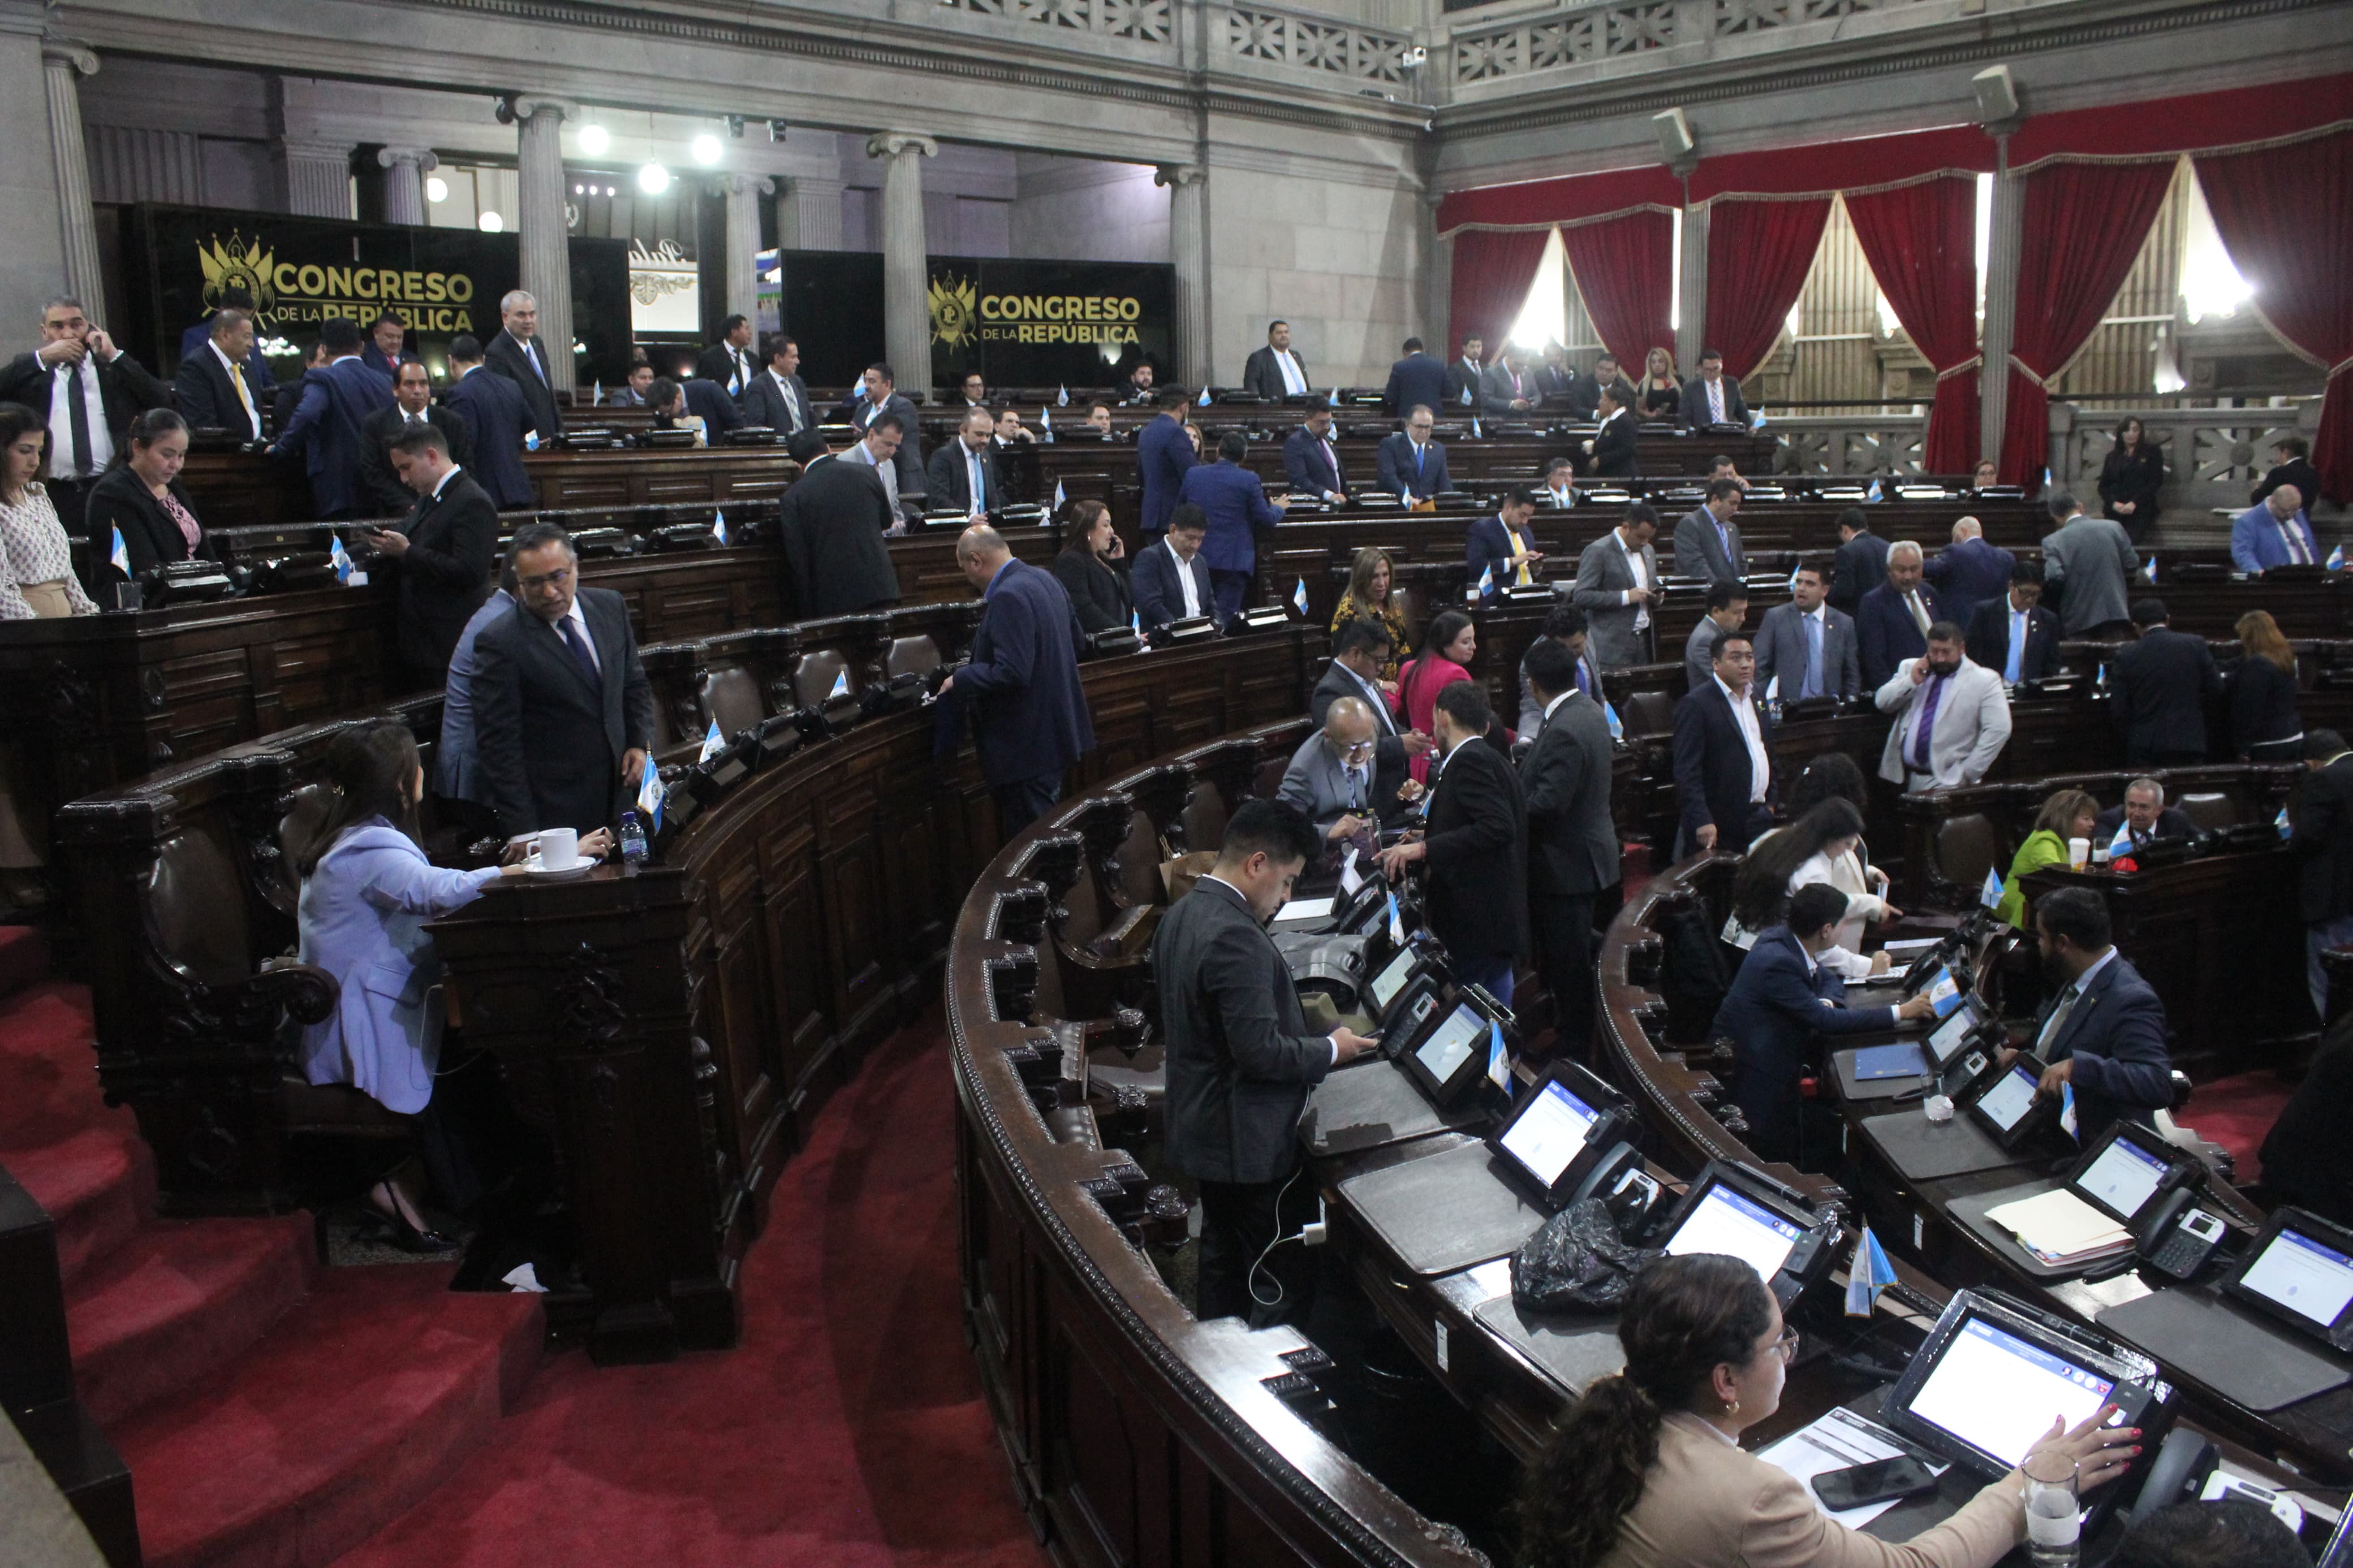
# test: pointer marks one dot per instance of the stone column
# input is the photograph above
(1188, 249)
(2001, 328)
(540, 226)
(404, 182)
(1690, 288)
(63, 62)
(906, 273)
(318, 178)
(809, 214)
(744, 192)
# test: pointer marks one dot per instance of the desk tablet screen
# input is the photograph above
(1996, 1393)
(1950, 1036)
(1729, 1224)
(2312, 1280)
(1392, 979)
(1547, 1135)
(2007, 1103)
(1442, 1054)
(2123, 1178)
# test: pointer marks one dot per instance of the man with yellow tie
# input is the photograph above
(1501, 552)
(211, 386)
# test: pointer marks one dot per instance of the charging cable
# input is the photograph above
(1312, 1234)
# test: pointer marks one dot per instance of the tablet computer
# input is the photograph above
(1744, 1214)
(2126, 1168)
(1950, 1037)
(2300, 1272)
(1389, 980)
(1447, 1056)
(1561, 1130)
(2009, 1110)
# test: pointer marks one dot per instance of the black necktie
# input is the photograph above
(580, 654)
(77, 414)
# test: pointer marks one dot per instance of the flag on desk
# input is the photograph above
(840, 685)
(120, 556)
(1867, 1275)
(1396, 924)
(1061, 397)
(650, 796)
(719, 526)
(1204, 394)
(1334, 399)
(713, 742)
(1299, 595)
(1793, 578)
(2336, 561)
(1992, 895)
(337, 556)
(2067, 1112)
(1874, 494)
(2151, 569)
(1475, 430)
(1136, 624)
(2282, 822)
(2122, 844)
(1487, 580)
(596, 394)
(1058, 495)
(1499, 1060)
(1617, 728)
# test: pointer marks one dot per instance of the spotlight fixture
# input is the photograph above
(706, 149)
(735, 126)
(491, 223)
(776, 130)
(437, 189)
(653, 179)
(594, 139)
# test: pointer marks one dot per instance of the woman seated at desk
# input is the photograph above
(1371, 581)
(1098, 587)
(37, 575)
(2069, 814)
(142, 496)
(1822, 846)
(1647, 1470)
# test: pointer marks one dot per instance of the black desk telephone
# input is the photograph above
(2177, 1237)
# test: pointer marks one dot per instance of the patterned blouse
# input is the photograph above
(1346, 611)
(32, 549)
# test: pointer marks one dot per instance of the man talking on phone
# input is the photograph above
(444, 549)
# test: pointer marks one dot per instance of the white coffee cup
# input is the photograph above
(556, 849)
(2079, 853)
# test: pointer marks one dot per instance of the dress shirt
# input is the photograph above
(1815, 620)
(742, 376)
(1919, 611)
(1372, 699)
(1743, 713)
(1519, 545)
(1563, 495)
(580, 625)
(2013, 662)
(1555, 703)
(1185, 581)
(101, 440)
(32, 549)
(454, 471)
(1294, 382)
(2068, 999)
(2292, 537)
(236, 379)
(1642, 581)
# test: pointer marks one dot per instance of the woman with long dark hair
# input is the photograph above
(2130, 478)
(37, 575)
(2264, 726)
(143, 497)
(1647, 1470)
(1452, 642)
(1821, 845)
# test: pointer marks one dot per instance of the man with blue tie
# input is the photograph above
(518, 354)
(1412, 465)
(2014, 635)
(1234, 498)
(1707, 542)
(1274, 371)
(1311, 463)
(1563, 624)
(963, 472)
(1162, 452)
(1806, 644)
(2274, 532)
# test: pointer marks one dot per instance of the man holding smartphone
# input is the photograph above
(444, 549)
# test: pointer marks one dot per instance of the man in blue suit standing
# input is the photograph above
(1413, 467)
(495, 415)
(1234, 498)
(1417, 379)
(2103, 1032)
(1311, 462)
(1892, 621)
(336, 401)
(1162, 452)
(2274, 532)
(1021, 684)
(1968, 572)
(1169, 580)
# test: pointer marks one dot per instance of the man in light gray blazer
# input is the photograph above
(1617, 586)
(1950, 717)
(1785, 644)
(1707, 542)
(2091, 562)
(1334, 777)
(1727, 607)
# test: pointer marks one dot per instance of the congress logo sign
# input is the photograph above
(237, 265)
(287, 294)
(952, 300)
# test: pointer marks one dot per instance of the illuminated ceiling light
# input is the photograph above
(706, 149)
(593, 140)
(491, 223)
(653, 179)
(437, 189)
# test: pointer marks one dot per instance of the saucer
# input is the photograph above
(532, 867)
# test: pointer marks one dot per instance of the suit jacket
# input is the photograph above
(1240, 1062)
(265, 385)
(1414, 380)
(1714, 775)
(207, 398)
(783, 409)
(444, 575)
(1782, 649)
(1309, 468)
(1317, 783)
(389, 369)
(456, 755)
(125, 391)
(1502, 384)
(1401, 477)
(1589, 681)
(1235, 499)
(1390, 765)
(121, 498)
(1694, 412)
(2091, 564)
(1989, 640)
(709, 402)
(1564, 782)
(505, 355)
(909, 461)
(492, 409)
(1698, 667)
(1584, 395)
(2263, 706)
(2296, 471)
(1554, 379)
(1477, 855)
(719, 362)
(1886, 632)
(1021, 685)
(1968, 574)
(1462, 377)
(2160, 685)
(1159, 595)
(327, 430)
(1602, 581)
(550, 743)
(948, 480)
(1774, 1016)
(1614, 449)
(1487, 547)
(2172, 822)
(1971, 727)
(830, 542)
(1261, 375)
(1860, 566)
(2321, 843)
(2116, 1036)
(2257, 544)
(1700, 553)
(1163, 454)
(385, 496)
(1098, 591)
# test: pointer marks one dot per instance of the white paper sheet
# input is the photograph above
(1836, 1442)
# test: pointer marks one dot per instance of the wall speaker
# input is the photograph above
(1674, 135)
(1997, 95)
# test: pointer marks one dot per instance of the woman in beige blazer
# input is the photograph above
(1647, 1470)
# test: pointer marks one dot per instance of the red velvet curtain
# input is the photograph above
(1625, 269)
(2285, 215)
(2083, 228)
(1758, 254)
(1492, 272)
(1920, 242)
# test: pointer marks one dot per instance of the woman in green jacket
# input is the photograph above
(2069, 814)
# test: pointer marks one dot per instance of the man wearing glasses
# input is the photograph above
(1332, 778)
(88, 390)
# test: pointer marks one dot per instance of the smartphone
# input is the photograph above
(1860, 1485)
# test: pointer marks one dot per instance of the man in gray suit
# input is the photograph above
(1617, 584)
(1333, 777)
(1240, 1063)
(1808, 646)
(1572, 839)
(1707, 542)
(1727, 608)
(2094, 558)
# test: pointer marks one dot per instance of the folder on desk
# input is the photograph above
(2059, 1228)
(1903, 1059)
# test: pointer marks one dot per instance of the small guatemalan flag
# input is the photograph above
(2122, 844)
(1487, 580)
(598, 396)
(1205, 397)
(840, 686)
(1992, 894)
(1062, 397)
(713, 742)
(719, 526)
(1475, 430)
(1299, 595)
(2336, 561)
(121, 556)
(1499, 1061)
(1396, 924)
(337, 556)
(1874, 491)
(1058, 495)
(2282, 822)
(1617, 730)
(1335, 398)
(650, 796)
(1867, 1275)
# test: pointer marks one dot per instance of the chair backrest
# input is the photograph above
(1650, 713)
(818, 670)
(731, 694)
(1204, 817)
(1967, 846)
(913, 655)
(1268, 781)
(2210, 809)
(1139, 863)
(194, 908)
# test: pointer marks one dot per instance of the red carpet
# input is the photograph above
(2237, 1112)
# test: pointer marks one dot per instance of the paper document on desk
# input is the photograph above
(2057, 1226)
(1838, 1441)
(1303, 910)
(1904, 949)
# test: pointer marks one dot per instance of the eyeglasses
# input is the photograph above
(1787, 1344)
(556, 579)
(1357, 749)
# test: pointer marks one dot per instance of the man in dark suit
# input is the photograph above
(1273, 370)
(2291, 465)
(211, 387)
(88, 391)
(1861, 564)
(1021, 684)
(1585, 392)
(1139, 389)
(384, 353)
(1240, 1062)
(1707, 542)
(1412, 465)
(1360, 649)
(1968, 572)
(963, 472)
(1572, 838)
(1891, 624)
(326, 428)
(1782, 1003)
(562, 708)
(1417, 379)
(1723, 756)
(1553, 377)
(1170, 580)
(878, 394)
(1806, 644)
(2161, 685)
(830, 533)
(1311, 462)
(445, 548)
(1566, 626)
(1614, 444)
(1713, 397)
(2322, 846)
(1233, 498)
(1508, 388)
(387, 494)
(777, 397)
(2145, 813)
(1464, 377)
(1162, 452)
(2102, 1031)
(2014, 635)
(1475, 849)
(517, 353)
(708, 400)
(287, 397)
(492, 409)
(257, 377)
(729, 361)
(1499, 551)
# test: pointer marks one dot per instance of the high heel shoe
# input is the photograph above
(395, 1228)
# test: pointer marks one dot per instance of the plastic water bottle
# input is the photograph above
(634, 852)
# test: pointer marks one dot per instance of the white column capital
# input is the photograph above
(743, 185)
(532, 105)
(898, 143)
(423, 159)
(1175, 174)
(57, 52)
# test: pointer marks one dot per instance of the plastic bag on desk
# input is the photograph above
(1576, 1263)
